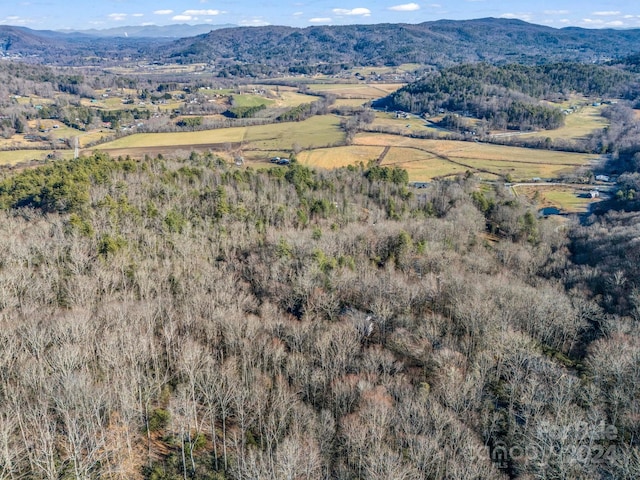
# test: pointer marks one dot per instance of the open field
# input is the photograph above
(172, 68)
(245, 100)
(93, 136)
(404, 126)
(350, 102)
(568, 199)
(339, 156)
(406, 67)
(486, 159)
(420, 165)
(32, 100)
(11, 157)
(312, 133)
(293, 99)
(366, 91)
(149, 140)
(578, 124)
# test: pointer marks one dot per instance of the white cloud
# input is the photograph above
(182, 18)
(118, 17)
(202, 12)
(16, 20)
(320, 20)
(163, 12)
(254, 22)
(609, 13)
(297, 14)
(365, 12)
(137, 14)
(519, 16)
(406, 7)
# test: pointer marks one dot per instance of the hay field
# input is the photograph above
(312, 133)
(420, 165)
(486, 159)
(339, 156)
(318, 131)
(293, 99)
(11, 157)
(365, 91)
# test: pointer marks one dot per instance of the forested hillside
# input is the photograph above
(171, 319)
(274, 49)
(442, 43)
(510, 96)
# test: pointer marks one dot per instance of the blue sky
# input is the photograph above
(85, 14)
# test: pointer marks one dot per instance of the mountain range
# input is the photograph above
(151, 31)
(439, 43)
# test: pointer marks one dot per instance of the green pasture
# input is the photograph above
(250, 101)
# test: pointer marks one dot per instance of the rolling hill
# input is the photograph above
(440, 43)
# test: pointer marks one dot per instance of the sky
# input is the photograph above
(100, 14)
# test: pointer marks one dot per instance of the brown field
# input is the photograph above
(404, 126)
(366, 91)
(315, 132)
(13, 157)
(350, 102)
(339, 156)
(420, 165)
(486, 159)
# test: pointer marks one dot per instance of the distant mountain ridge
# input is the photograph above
(151, 31)
(439, 43)
(442, 42)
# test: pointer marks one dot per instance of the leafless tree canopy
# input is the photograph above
(174, 319)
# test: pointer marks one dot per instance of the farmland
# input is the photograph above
(488, 160)
(257, 142)
(320, 141)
